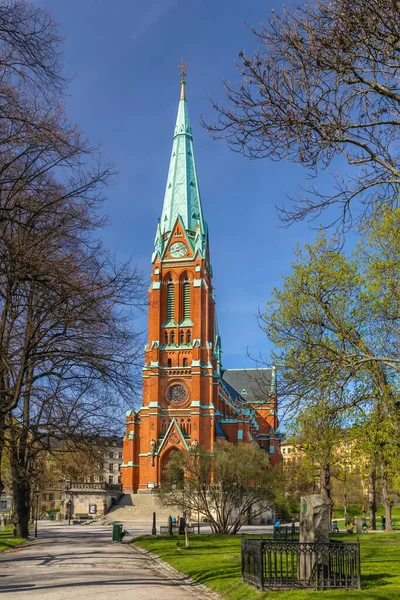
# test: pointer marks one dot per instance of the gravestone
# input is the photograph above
(314, 527)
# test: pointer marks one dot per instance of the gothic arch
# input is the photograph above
(164, 460)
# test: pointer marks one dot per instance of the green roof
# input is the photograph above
(182, 194)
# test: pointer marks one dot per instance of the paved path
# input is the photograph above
(81, 562)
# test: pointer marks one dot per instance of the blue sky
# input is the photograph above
(122, 58)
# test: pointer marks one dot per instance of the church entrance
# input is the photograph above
(168, 472)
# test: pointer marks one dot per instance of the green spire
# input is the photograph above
(182, 194)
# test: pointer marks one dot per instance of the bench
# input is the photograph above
(164, 530)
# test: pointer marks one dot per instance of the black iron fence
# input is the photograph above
(286, 532)
(278, 564)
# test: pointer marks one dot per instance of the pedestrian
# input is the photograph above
(364, 528)
(335, 527)
(364, 510)
(277, 527)
(383, 523)
(350, 527)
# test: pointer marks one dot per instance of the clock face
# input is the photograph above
(178, 249)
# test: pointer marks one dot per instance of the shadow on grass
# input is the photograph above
(376, 580)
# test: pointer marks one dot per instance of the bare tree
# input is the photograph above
(227, 486)
(324, 83)
(68, 349)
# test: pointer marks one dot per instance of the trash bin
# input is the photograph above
(52, 517)
(117, 532)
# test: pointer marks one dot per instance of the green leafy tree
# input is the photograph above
(335, 326)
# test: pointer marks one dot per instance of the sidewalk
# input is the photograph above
(68, 562)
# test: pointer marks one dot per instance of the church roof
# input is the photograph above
(250, 385)
(182, 194)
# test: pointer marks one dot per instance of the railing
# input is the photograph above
(286, 532)
(280, 564)
(86, 486)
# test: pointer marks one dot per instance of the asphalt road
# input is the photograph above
(81, 562)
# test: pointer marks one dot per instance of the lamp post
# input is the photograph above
(36, 512)
(67, 489)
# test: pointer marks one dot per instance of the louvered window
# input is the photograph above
(186, 300)
(170, 301)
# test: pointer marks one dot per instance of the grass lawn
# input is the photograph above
(354, 510)
(7, 540)
(214, 560)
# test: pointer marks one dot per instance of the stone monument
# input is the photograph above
(314, 527)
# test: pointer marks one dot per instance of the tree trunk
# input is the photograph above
(325, 484)
(372, 497)
(386, 499)
(21, 497)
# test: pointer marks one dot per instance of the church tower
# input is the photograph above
(188, 401)
(182, 355)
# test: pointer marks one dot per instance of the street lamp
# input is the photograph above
(36, 511)
(67, 489)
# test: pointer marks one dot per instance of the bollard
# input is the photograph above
(186, 537)
(154, 530)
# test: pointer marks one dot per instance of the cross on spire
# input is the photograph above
(182, 67)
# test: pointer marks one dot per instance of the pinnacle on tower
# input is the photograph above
(182, 194)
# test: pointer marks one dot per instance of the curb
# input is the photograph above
(198, 589)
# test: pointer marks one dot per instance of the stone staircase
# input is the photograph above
(139, 508)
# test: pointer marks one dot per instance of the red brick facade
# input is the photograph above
(187, 398)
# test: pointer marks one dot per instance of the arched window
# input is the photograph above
(172, 337)
(186, 298)
(166, 338)
(183, 428)
(170, 300)
(188, 337)
(164, 426)
(185, 362)
(181, 337)
(188, 426)
(169, 362)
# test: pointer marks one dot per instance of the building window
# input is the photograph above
(170, 301)
(44, 497)
(188, 337)
(164, 427)
(119, 479)
(119, 454)
(111, 467)
(51, 497)
(111, 455)
(186, 299)
(183, 428)
(3, 505)
(181, 337)
(172, 337)
(166, 338)
(169, 362)
(188, 426)
(110, 479)
(185, 362)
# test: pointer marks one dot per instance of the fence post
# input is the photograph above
(242, 554)
(358, 565)
(261, 564)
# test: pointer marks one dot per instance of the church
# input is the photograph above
(188, 399)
